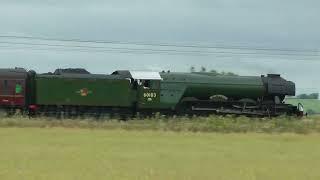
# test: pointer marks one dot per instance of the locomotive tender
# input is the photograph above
(77, 92)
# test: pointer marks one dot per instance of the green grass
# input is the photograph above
(228, 124)
(309, 104)
(84, 154)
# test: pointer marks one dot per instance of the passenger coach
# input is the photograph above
(13, 90)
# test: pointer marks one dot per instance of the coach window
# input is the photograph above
(5, 87)
(18, 88)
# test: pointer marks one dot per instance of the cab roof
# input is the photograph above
(143, 75)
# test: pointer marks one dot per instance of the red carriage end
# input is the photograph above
(13, 87)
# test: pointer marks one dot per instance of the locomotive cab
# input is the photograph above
(148, 88)
(146, 85)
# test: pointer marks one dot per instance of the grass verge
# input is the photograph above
(228, 124)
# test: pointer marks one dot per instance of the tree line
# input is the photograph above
(212, 71)
(309, 96)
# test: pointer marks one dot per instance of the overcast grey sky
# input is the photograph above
(285, 24)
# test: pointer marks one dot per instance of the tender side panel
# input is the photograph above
(83, 92)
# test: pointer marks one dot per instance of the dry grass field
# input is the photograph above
(156, 149)
(87, 154)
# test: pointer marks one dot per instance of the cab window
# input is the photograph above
(147, 84)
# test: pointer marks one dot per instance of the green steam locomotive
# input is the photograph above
(128, 93)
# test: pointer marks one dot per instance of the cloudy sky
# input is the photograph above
(251, 37)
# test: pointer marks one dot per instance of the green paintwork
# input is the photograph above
(149, 97)
(176, 86)
(117, 91)
(84, 90)
(171, 93)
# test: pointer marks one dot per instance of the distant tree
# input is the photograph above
(203, 69)
(213, 72)
(311, 111)
(309, 96)
(314, 95)
(302, 96)
(231, 74)
(192, 69)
